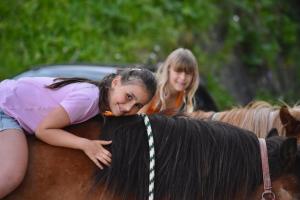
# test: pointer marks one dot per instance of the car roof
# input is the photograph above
(93, 72)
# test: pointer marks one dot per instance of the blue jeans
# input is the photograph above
(7, 122)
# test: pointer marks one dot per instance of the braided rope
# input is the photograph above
(151, 156)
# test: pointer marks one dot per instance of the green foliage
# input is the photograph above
(264, 30)
(34, 32)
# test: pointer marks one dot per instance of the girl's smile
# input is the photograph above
(126, 99)
(179, 80)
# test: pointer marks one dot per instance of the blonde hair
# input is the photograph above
(180, 60)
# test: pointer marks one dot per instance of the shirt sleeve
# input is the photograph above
(81, 104)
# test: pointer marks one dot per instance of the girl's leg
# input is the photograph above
(13, 159)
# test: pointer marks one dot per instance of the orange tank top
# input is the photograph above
(153, 108)
(107, 113)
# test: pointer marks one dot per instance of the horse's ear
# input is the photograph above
(290, 123)
(285, 115)
(273, 132)
(288, 150)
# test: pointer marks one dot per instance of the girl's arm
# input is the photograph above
(50, 130)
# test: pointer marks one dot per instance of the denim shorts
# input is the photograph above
(7, 122)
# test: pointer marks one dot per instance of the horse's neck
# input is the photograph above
(259, 121)
(202, 115)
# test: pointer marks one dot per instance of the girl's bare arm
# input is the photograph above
(50, 130)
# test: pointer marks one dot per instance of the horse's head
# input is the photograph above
(290, 122)
(284, 161)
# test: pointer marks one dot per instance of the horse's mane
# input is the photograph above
(258, 116)
(194, 159)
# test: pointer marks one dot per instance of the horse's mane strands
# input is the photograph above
(194, 160)
(258, 116)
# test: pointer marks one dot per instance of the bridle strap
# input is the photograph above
(213, 117)
(151, 156)
(267, 194)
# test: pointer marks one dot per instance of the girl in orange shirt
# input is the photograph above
(178, 79)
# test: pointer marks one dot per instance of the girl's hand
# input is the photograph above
(96, 152)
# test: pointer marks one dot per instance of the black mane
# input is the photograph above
(194, 159)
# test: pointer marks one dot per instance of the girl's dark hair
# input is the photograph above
(128, 76)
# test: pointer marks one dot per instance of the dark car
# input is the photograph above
(96, 72)
(93, 72)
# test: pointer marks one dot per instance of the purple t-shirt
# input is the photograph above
(29, 101)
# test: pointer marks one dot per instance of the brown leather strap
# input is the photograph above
(267, 194)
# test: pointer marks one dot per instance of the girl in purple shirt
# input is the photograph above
(45, 106)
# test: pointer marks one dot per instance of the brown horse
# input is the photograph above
(259, 117)
(194, 160)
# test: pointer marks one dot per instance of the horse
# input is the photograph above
(194, 160)
(259, 117)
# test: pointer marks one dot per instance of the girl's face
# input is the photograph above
(179, 80)
(126, 99)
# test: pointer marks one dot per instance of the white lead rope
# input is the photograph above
(151, 156)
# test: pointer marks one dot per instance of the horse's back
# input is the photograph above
(55, 172)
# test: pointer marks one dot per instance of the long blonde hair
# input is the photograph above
(181, 60)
